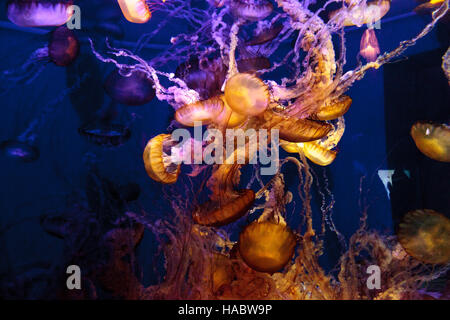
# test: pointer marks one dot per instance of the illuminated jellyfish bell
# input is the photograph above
(266, 246)
(135, 11)
(369, 47)
(246, 94)
(63, 47)
(334, 109)
(357, 15)
(428, 7)
(135, 89)
(206, 111)
(105, 134)
(228, 117)
(39, 13)
(425, 235)
(157, 160)
(253, 10)
(215, 214)
(314, 151)
(433, 140)
(296, 130)
(20, 150)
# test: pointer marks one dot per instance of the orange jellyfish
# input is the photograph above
(225, 205)
(428, 7)
(222, 272)
(433, 140)
(207, 111)
(358, 15)
(228, 118)
(266, 246)
(136, 11)
(296, 130)
(319, 154)
(246, 94)
(334, 109)
(425, 235)
(157, 160)
(253, 10)
(369, 47)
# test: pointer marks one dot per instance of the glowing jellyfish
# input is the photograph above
(39, 13)
(137, 11)
(252, 10)
(216, 214)
(158, 162)
(105, 134)
(135, 89)
(266, 246)
(19, 150)
(246, 94)
(362, 14)
(425, 235)
(428, 7)
(296, 130)
(369, 47)
(206, 111)
(319, 154)
(228, 118)
(334, 109)
(266, 35)
(433, 140)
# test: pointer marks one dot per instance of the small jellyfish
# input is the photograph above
(266, 246)
(246, 94)
(319, 154)
(135, 89)
(105, 133)
(265, 36)
(357, 15)
(137, 11)
(369, 47)
(252, 10)
(334, 109)
(157, 160)
(296, 130)
(39, 13)
(206, 111)
(19, 150)
(64, 47)
(216, 214)
(425, 235)
(433, 140)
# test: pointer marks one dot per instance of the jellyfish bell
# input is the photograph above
(158, 162)
(334, 109)
(214, 214)
(222, 272)
(252, 65)
(425, 235)
(246, 94)
(357, 15)
(319, 154)
(266, 246)
(264, 36)
(228, 118)
(428, 7)
(206, 112)
(20, 150)
(63, 47)
(134, 89)
(369, 47)
(135, 11)
(105, 134)
(252, 10)
(39, 13)
(433, 140)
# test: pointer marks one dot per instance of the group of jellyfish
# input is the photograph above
(226, 87)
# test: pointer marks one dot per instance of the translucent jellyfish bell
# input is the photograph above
(252, 10)
(425, 235)
(135, 89)
(368, 13)
(318, 154)
(246, 94)
(39, 13)
(265, 36)
(63, 47)
(135, 11)
(158, 162)
(266, 246)
(206, 111)
(369, 47)
(433, 140)
(334, 109)
(19, 150)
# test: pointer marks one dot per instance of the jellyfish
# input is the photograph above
(104, 133)
(252, 10)
(137, 11)
(225, 205)
(252, 65)
(369, 47)
(222, 272)
(158, 162)
(428, 7)
(39, 13)
(62, 50)
(266, 246)
(134, 89)
(446, 64)
(318, 154)
(207, 112)
(228, 118)
(20, 150)
(425, 235)
(333, 109)
(433, 140)
(358, 15)
(266, 35)
(246, 94)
